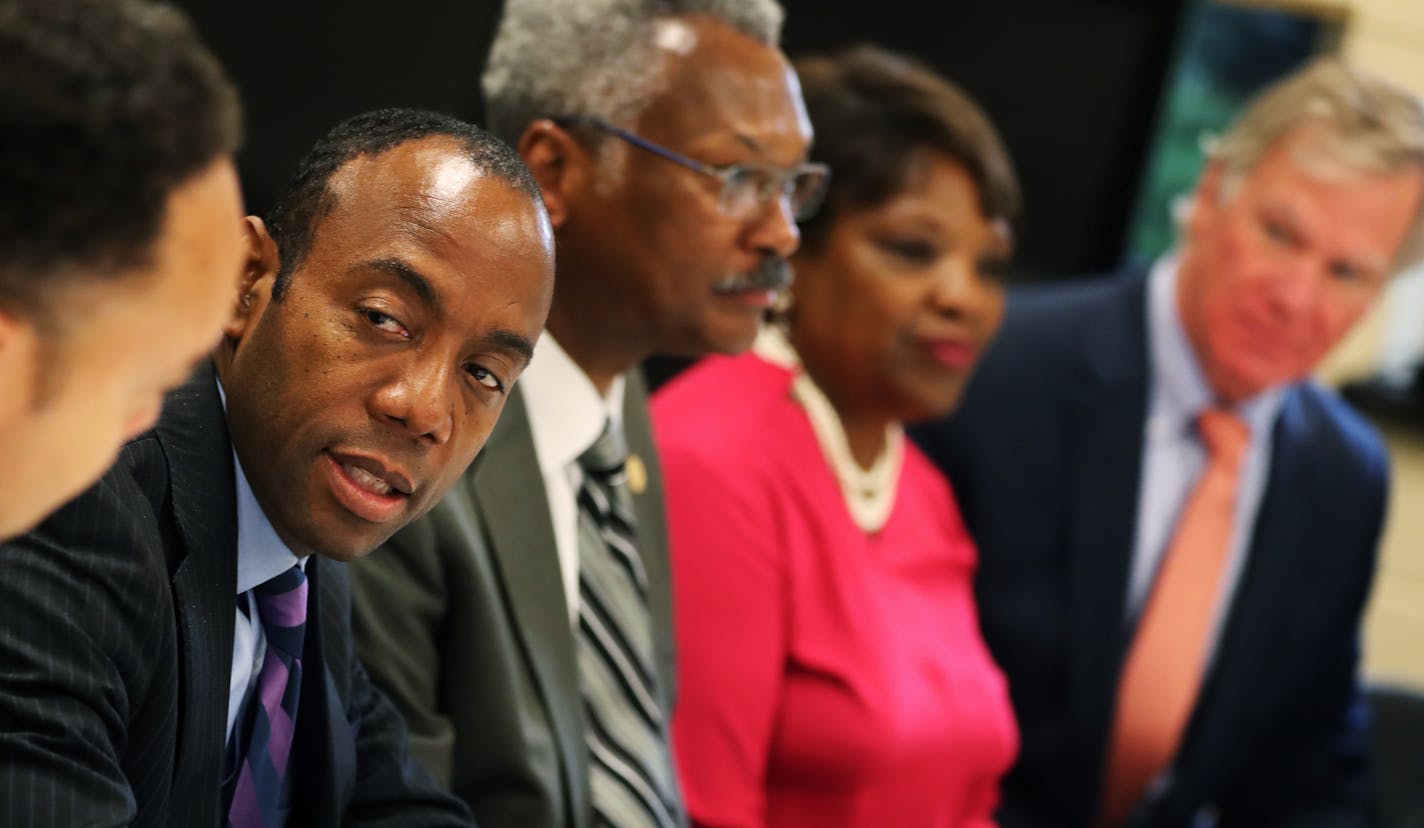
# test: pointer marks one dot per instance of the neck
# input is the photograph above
(1225, 393)
(864, 427)
(864, 435)
(601, 355)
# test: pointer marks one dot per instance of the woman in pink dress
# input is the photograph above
(831, 667)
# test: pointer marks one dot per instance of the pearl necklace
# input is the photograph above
(869, 493)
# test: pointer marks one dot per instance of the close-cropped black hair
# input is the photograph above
(292, 221)
(875, 113)
(106, 107)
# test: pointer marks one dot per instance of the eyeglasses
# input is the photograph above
(746, 188)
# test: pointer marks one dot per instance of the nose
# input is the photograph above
(1296, 287)
(959, 290)
(418, 401)
(774, 232)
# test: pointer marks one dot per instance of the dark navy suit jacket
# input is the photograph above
(1045, 457)
(116, 634)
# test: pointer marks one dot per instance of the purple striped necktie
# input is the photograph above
(259, 797)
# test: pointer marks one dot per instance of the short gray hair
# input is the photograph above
(1367, 125)
(594, 57)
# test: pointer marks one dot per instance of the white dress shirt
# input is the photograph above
(261, 556)
(566, 417)
(1173, 454)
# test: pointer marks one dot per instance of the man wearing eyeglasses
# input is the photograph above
(524, 626)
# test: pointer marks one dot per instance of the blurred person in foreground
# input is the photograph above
(832, 672)
(119, 235)
(1178, 529)
(176, 646)
(524, 627)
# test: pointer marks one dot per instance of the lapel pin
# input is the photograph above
(637, 474)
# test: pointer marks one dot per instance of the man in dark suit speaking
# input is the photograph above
(1177, 529)
(175, 646)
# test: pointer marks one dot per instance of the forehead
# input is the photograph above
(722, 83)
(1299, 178)
(427, 201)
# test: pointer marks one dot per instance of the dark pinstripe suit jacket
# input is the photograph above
(116, 629)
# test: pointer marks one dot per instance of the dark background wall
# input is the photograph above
(1073, 85)
(304, 66)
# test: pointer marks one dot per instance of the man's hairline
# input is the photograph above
(327, 201)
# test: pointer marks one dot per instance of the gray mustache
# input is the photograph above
(771, 274)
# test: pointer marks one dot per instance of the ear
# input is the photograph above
(1206, 200)
(559, 162)
(259, 272)
(19, 362)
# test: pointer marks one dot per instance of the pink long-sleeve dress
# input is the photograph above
(828, 677)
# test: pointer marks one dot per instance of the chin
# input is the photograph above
(923, 408)
(733, 341)
(343, 540)
(348, 548)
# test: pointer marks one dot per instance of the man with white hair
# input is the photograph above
(1177, 529)
(524, 627)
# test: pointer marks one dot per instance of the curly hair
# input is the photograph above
(594, 57)
(106, 107)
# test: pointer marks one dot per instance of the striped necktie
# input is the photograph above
(261, 790)
(630, 768)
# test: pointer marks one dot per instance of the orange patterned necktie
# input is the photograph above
(1163, 670)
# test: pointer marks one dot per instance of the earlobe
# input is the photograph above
(1206, 198)
(552, 155)
(259, 270)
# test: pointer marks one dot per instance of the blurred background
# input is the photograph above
(1103, 103)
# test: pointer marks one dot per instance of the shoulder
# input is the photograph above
(120, 513)
(733, 445)
(1337, 438)
(1046, 326)
(88, 588)
(724, 410)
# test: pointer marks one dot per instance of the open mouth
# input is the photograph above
(366, 480)
(367, 487)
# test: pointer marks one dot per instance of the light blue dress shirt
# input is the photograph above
(261, 556)
(1173, 454)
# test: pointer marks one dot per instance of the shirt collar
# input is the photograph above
(1180, 389)
(566, 412)
(261, 554)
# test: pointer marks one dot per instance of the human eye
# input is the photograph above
(384, 322)
(1277, 231)
(1352, 273)
(746, 185)
(486, 378)
(910, 250)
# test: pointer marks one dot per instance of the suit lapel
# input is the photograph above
(508, 486)
(193, 433)
(652, 528)
(1108, 409)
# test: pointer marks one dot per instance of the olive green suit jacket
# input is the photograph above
(463, 621)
